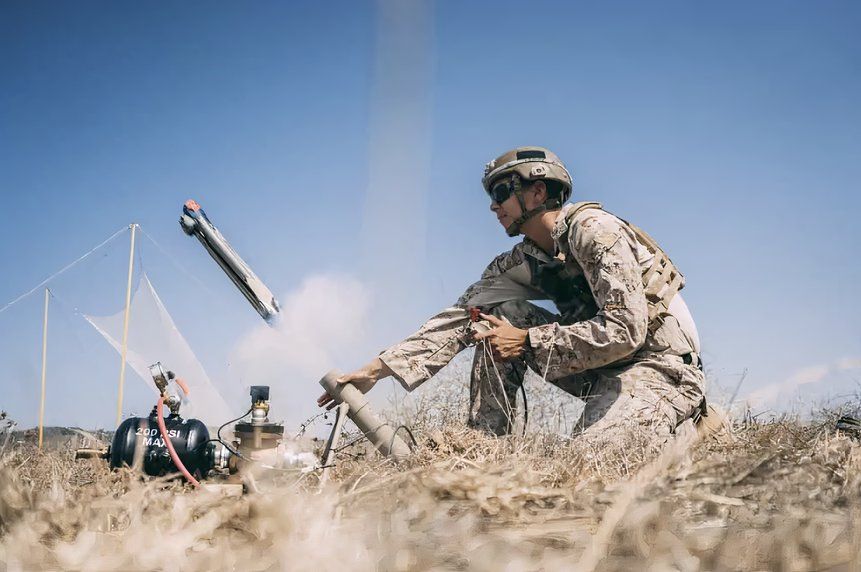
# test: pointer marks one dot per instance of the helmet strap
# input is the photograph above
(514, 228)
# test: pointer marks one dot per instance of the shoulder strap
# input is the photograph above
(576, 208)
(662, 280)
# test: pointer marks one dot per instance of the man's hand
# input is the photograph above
(363, 378)
(506, 341)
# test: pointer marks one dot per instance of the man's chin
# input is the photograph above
(505, 227)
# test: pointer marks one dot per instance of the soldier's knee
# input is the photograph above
(511, 308)
(522, 313)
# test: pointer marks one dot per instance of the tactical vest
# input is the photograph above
(661, 280)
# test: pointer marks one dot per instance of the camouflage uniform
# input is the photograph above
(634, 363)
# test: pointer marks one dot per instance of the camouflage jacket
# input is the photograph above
(596, 282)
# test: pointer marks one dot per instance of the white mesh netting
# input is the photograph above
(153, 337)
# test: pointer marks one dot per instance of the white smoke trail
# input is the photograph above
(341, 321)
(394, 229)
(322, 326)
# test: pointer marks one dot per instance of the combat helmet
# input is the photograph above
(529, 164)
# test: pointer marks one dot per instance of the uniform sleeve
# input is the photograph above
(417, 358)
(603, 247)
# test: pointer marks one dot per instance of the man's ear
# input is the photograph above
(540, 188)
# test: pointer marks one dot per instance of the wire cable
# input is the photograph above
(507, 407)
(226, 446)
(349, 443)
(63, 269)
(182, 268)
(409, 432)
(525, 405)
(307, 423)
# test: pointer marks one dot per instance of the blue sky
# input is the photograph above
(730, 132)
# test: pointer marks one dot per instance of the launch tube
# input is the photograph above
(379, 433)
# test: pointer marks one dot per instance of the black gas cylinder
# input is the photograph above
(190, 439)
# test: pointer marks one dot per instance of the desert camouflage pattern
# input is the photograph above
(599, 347)
(531, 164)
(656, 391)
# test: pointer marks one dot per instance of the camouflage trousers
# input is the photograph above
(651, 395)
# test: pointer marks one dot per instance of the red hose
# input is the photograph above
(174, 457)
(182, 385)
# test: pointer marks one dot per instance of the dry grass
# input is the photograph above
(775, 495)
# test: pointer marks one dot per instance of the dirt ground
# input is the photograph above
(780, 494)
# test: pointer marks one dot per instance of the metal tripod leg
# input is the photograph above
(334, 439)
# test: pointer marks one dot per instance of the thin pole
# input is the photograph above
(44, 366)
(132, 226)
